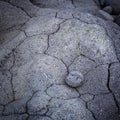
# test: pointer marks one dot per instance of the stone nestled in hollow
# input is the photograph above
(74, 79)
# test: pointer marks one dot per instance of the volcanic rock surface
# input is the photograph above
(41, 42)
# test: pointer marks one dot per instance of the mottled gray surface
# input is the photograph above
(74, 79)
(115, 4)
(41, 42)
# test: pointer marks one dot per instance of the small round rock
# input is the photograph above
(74, 79)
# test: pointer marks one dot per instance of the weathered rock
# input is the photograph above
(53, 3)
(62, 92)
(30, 48)
(115, 81)
(6, 93)
(38, 46)
(115, 4)
(87, 97)
(96, 81)
(86, 6)
(65, 14)
(42, 25)
(117, 20)
(11, 16)
(105, 15)
(82, 64)
(7, 62)
(11, 40)
(72, 109)
(27, 7)
(38, 103)
(14, 117)
(102, 109)
(108, 9)
(39, 118)
(74, 79)
(16, 107)
(37, 74)
(1, 109)
(76, 37)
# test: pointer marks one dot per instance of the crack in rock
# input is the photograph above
(110, 90)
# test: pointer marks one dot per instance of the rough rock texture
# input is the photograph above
(74, 79)
(41, 42)
(115, 4)
(114, 85)
(108, 9)
(73, 109)
(102, 109)
(11, 16)
(117, 20)
(106, 15)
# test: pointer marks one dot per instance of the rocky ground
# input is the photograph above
(43, 42)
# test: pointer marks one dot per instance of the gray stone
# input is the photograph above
(7, 62)
(96, 81)
(6, 94)
(64, 43)
(12, 40)
(16, 107)
(106, 15)
(82, 64)
(115, 4)
(115, 81)
(117, 20)
(88, 6)
(8, 35)
(72, 109)
(89, 18)
(40, 45)
(87, 97)
(108, 9)
(46, 12)
(11, 16)
(62, 92)
(65, 14)
(1, 109)
(74, 79)
(53, 4)
(110, 27)
(37, 74)
(38, 103)
(104, 108)
(32, 10)
(31, 47)
(76, 37)
(27, 7)
(41, 25)
(39, 118)
(14, 117)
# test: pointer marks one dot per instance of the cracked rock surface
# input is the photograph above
(41, 42)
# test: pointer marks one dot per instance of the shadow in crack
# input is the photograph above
(57, 4)
(38, 3)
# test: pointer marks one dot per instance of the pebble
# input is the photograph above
(74, 79)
